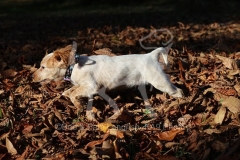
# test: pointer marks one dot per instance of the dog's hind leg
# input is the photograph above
(143, 91)
(161, 82)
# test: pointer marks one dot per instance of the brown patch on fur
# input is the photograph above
(60, 57)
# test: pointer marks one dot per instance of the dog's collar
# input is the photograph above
(68, 73)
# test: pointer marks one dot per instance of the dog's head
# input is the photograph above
(54, 65)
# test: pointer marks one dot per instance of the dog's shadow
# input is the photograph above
(85, 60)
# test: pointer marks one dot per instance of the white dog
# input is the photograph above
(90, 74)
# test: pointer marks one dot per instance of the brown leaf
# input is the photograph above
(171, 144)
(116, 132)
(169, 135)
(129, 42)
(97, 142)
(232, 103)
(182, 70)
(211, 131)
(9, 84)
(184, 120)
(19, 90)
(27, 128)
(192, 139)
(237, 88)
(228, 62)
(126, 116)
(128, 105)
(203, 60)
(227, 91)
(105, 51)
(8, 73)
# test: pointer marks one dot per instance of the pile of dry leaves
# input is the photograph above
(37, 122)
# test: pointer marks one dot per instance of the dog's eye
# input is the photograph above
(42, 67)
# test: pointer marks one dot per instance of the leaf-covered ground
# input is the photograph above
(36, 122)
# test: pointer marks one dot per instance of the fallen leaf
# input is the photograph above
(8, 83)
(27, 128)
(183, 121)
(171, 144)
(228, 62)
(97, 142)
(104, 126)
(232, 103)
(8, 73)
(1, 91)
(129, 42)
(105, 51)
(237, 88)
(220, 115)
(116, 133)
(211, 131)
(169, 135)
(10, 147)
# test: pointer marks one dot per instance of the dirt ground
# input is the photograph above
(204, 62)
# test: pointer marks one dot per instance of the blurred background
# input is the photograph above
(33, 26)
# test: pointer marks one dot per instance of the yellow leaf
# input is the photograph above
(104, 126)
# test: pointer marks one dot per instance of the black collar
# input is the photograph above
(68, 73)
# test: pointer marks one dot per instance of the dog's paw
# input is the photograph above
(178, 94)
(68, 92)
(91, 116)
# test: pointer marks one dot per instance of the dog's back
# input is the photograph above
(112, 72)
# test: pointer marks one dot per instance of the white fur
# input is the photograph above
(128, 70)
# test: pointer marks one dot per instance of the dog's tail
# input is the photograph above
(161, 50)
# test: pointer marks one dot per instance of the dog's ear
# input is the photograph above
(46, 53)
(63, 57)
(60, 57)
(71, 58)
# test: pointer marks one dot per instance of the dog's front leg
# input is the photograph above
(89, 112)
(77, 92)
(69, 93)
